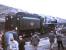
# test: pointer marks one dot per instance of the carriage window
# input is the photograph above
(30, 18)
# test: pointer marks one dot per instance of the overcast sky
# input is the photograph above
(55, 8)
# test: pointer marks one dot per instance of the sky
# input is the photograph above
(56, 8)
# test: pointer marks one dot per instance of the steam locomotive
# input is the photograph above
(27, 23)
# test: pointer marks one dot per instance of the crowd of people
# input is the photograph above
(9, 40)
(58, 37)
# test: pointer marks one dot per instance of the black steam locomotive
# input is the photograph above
(27, 23)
